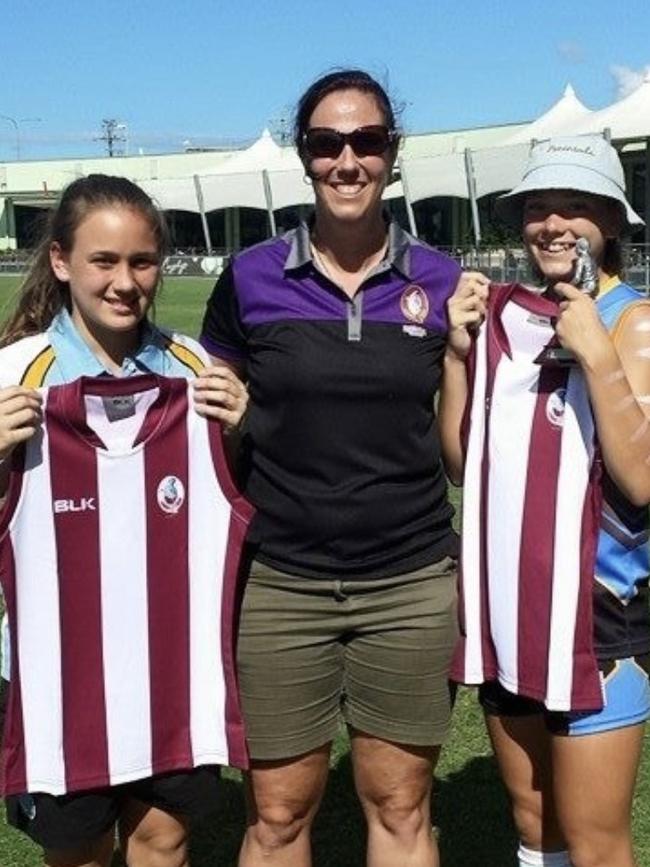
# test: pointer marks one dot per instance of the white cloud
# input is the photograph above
(626, 80)
(571, 51)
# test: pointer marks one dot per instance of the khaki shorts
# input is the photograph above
(375, 651)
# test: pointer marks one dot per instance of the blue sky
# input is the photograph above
(217, 72)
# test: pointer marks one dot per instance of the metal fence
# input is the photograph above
(177, 265)
(13, 264)
(511, 265)
(500, 264)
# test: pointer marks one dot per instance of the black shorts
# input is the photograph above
(626, 696)
(69, 821)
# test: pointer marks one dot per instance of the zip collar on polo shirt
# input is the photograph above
(398, 255)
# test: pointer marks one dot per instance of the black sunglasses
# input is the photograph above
(366, 141)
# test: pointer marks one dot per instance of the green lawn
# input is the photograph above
(179, 304)
(470, 809)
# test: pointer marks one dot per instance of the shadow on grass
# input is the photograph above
(217, 838)
(470, 811)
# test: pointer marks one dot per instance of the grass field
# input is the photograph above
(470, 808)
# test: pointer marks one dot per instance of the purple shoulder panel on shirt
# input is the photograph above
(266, 293)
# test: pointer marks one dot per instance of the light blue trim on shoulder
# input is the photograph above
(614, 302)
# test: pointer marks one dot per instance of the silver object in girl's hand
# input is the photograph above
(585, 276)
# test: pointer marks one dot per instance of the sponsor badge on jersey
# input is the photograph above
(540, 321)
(555, 407)
(118, 408)
(414, 304)
(170, 494)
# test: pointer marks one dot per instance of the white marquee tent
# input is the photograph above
(563, 114)
(629, 118)
(264, 176)
(271, 177)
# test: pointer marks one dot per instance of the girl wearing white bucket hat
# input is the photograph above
(555, 462)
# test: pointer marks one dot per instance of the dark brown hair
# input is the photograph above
(42, 295)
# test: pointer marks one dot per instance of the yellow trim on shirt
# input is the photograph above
(36, 371)
(186, 356)
(608, 284)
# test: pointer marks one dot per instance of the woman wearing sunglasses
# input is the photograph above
(340, 329)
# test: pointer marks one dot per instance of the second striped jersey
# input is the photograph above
(531, 512)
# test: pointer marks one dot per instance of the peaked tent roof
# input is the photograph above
(238, 182)
(628, 118)
(262, 154)
(562, 115)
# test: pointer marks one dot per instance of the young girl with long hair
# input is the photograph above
(550, 388)
(83, 311)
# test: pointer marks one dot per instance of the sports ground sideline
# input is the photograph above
(470, 809)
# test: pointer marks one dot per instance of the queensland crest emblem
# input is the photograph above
(414, 304)
(170, 494)
(555, 407)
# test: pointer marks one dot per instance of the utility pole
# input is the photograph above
(114, 135)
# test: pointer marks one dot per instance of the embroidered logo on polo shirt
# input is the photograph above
(414, 303)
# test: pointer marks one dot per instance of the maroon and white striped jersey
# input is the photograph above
(119, 554)
(531, 512)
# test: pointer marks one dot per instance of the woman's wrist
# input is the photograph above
(233, 428)
(454, 357)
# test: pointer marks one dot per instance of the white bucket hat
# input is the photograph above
(587, 163)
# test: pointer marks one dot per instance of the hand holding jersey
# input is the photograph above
(220, 394)
(20, 416)
(466, 309)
